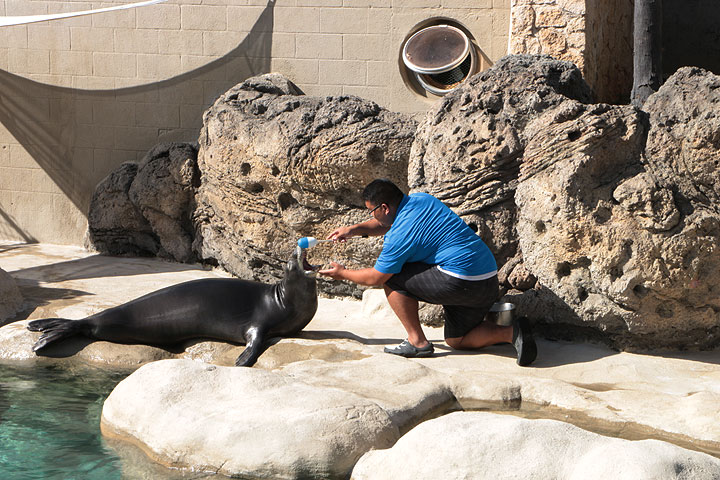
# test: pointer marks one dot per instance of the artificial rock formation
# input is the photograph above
(277, 165)
(605, 217)
(468, 149)
(488, 445)
(146, 208)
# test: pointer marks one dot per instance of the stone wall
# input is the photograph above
(596, 35)
(80, 96)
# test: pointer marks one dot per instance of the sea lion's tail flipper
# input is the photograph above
(53, 329)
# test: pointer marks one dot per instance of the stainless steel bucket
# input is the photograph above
(502, 313)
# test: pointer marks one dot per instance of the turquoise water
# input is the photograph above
(49, 424)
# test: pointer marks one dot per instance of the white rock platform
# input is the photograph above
(332, 395)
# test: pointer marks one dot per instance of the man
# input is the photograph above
(429, 254)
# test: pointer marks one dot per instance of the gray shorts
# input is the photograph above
(466, 302)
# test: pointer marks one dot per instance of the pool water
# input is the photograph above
(49, 424)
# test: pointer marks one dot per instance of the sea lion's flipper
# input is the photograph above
(253, 348)
(53, 329)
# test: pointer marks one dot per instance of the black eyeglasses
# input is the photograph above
(373, 210)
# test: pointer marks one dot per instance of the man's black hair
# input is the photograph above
(382, 190)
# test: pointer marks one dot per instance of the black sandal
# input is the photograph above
(408, 350)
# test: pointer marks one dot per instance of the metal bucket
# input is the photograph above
(502, 313)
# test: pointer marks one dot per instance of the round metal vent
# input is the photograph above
(440, 56)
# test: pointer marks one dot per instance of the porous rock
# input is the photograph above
(259, 424)
(469, 147)
(596, 234)
(488, 445)
(277, 165)
(621, 244)
(146, 208)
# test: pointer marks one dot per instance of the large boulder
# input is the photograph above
(597, 235)
(469, 147)
(259, 424)
(488, 445)
(277, 165)
(621, 245)
(146, 208)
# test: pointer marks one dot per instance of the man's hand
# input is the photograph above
(335, 271)
(340, 235)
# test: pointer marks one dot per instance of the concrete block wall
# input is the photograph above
(80, 96)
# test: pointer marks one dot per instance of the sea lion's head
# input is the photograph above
(298, 264)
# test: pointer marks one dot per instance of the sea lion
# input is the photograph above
(229, 309)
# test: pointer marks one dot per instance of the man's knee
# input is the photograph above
(455, 342)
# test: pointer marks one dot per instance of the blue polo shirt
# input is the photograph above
(426, 230)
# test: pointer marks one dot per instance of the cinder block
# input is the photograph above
(366, 47)
(191, 117)
(95, 135)
(297, 70)
(4, 155)
(137, 41)
(203, 17)
(245, 19)
(499, 48)
(74, 222)
(193, 62)
(344, 20)
(51, 37)
(181, 42)
(158, 66)
(116, 19)
(113, 112)
(420, 4)
(84, 39)
(297, 19)
(475, 4)
(379, 20)
(54, 80)
(93, 83)
(157, 115)
(342, 72)
(163, 16)
(310, 45)
(283, 44)
(15, 37)
(367, 3)
(221, 43)
(21, 158)
(135, 138)
(380, 73)
(278, 3)
(115, 64)
(19, 7)
(189, 92)
(319, 3)
(29, 61)
(64, 62)
(501, 23)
